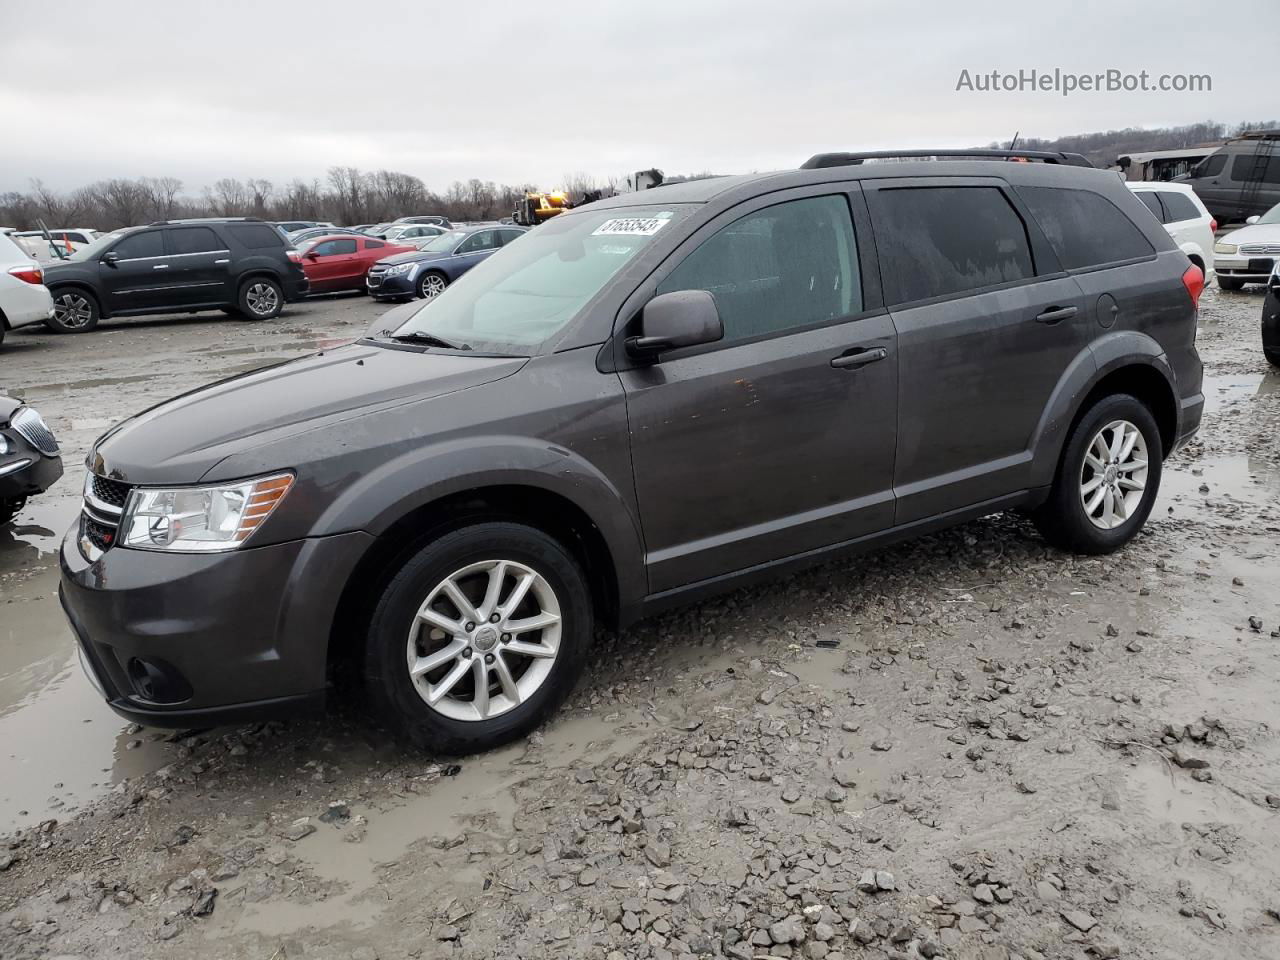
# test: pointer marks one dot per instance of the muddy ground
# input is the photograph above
(967, 746)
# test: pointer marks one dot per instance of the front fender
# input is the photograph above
(426, 474)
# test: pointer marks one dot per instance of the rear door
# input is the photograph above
(987, 324)
(199, 266)
(779, 439)
(139, 278)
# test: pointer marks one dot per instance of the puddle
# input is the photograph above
(480, 800)
(59, 744)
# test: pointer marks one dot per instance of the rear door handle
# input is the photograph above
(858, 357)
(160, 266)
(218, 263)
(1056, 314)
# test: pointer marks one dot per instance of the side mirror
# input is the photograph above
(111, 258)
(1251, 220)
(311, 255)
(682, 318)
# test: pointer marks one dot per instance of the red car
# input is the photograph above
(339, 262)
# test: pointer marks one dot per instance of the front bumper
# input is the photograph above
(1271, 320)
(181, 639)
(27, 472)
(401, 285)
(1249, 269)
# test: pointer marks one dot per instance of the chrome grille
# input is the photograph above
(29, 424)
(1254, 249)
(104, 501)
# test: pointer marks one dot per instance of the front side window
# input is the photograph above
(941, 241)
(334, 248)
(1211, 166)
(524, 294)
(139, 245)
(1085, 228)
(785, 266)
(194, 240)
(1179, 207)
(485, 240)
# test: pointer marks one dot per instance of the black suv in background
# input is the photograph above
(239, 266)
(646, 400)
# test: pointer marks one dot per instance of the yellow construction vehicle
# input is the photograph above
(537, 207)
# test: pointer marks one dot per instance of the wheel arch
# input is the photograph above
(83, 287)
(551, 512)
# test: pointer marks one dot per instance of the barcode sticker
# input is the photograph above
(632, 226)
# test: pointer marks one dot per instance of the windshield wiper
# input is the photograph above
(429, 339)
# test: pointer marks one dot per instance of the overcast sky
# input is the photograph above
(530, 91)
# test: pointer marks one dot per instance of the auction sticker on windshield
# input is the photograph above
(633, 226)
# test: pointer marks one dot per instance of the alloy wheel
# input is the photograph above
(432, 286)
(72, 310)
(484, 640)
(262, 299)
(1113, 478)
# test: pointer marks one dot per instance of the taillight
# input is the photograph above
(295, 256)
(1193, 280)
(1213, 226)
(31, 274)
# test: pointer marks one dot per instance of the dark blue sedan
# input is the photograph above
(426, 273)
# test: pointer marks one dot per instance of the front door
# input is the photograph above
(779, 439)
(331, 264)
(138, 279)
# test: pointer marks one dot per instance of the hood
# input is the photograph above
(415, 256)
(1257, 233)
(180, 440)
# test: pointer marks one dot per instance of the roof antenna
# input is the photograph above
(1014, 142)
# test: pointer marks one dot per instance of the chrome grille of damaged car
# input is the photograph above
(103, 507)
(32, 428)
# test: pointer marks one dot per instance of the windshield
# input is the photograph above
(92, 251)
(1271, 216)
(526, 292)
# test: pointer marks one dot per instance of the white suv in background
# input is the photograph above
(1185, 219)
(24, 298)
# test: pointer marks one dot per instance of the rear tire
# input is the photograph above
(1101, 497)
(424, 667)
(1229, 283)
(260, 299)
(74, 311)
(1273, 356)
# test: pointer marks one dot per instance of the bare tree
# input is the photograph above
(163, 193)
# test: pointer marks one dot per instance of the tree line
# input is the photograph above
(346, 196)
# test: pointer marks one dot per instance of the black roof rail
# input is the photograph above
(820, 161)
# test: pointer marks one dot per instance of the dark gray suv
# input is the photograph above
(646, 400)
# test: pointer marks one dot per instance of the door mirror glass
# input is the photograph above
(682, 318)
(1251, 220)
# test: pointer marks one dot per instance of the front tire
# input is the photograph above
(1230, 283)
(1273, 356)
(9, 508)
(431, 285)
(74, 311)
(478, 637)
(260, 299)
(1107, 479)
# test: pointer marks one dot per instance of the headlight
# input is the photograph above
(400, 269)
(6, 445)
(1227, 248)
(200, 518)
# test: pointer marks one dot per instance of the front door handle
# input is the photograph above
(858, 357)
(1057, 314)
(218, 263)
(160, 266)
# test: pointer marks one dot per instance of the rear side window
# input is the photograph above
(946, 240)
(194, 240)
(1085, 228)
(373, 244)
(785, 266)
(1179, 207)
(139, 245)
(256, 236)
(1152, 203)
